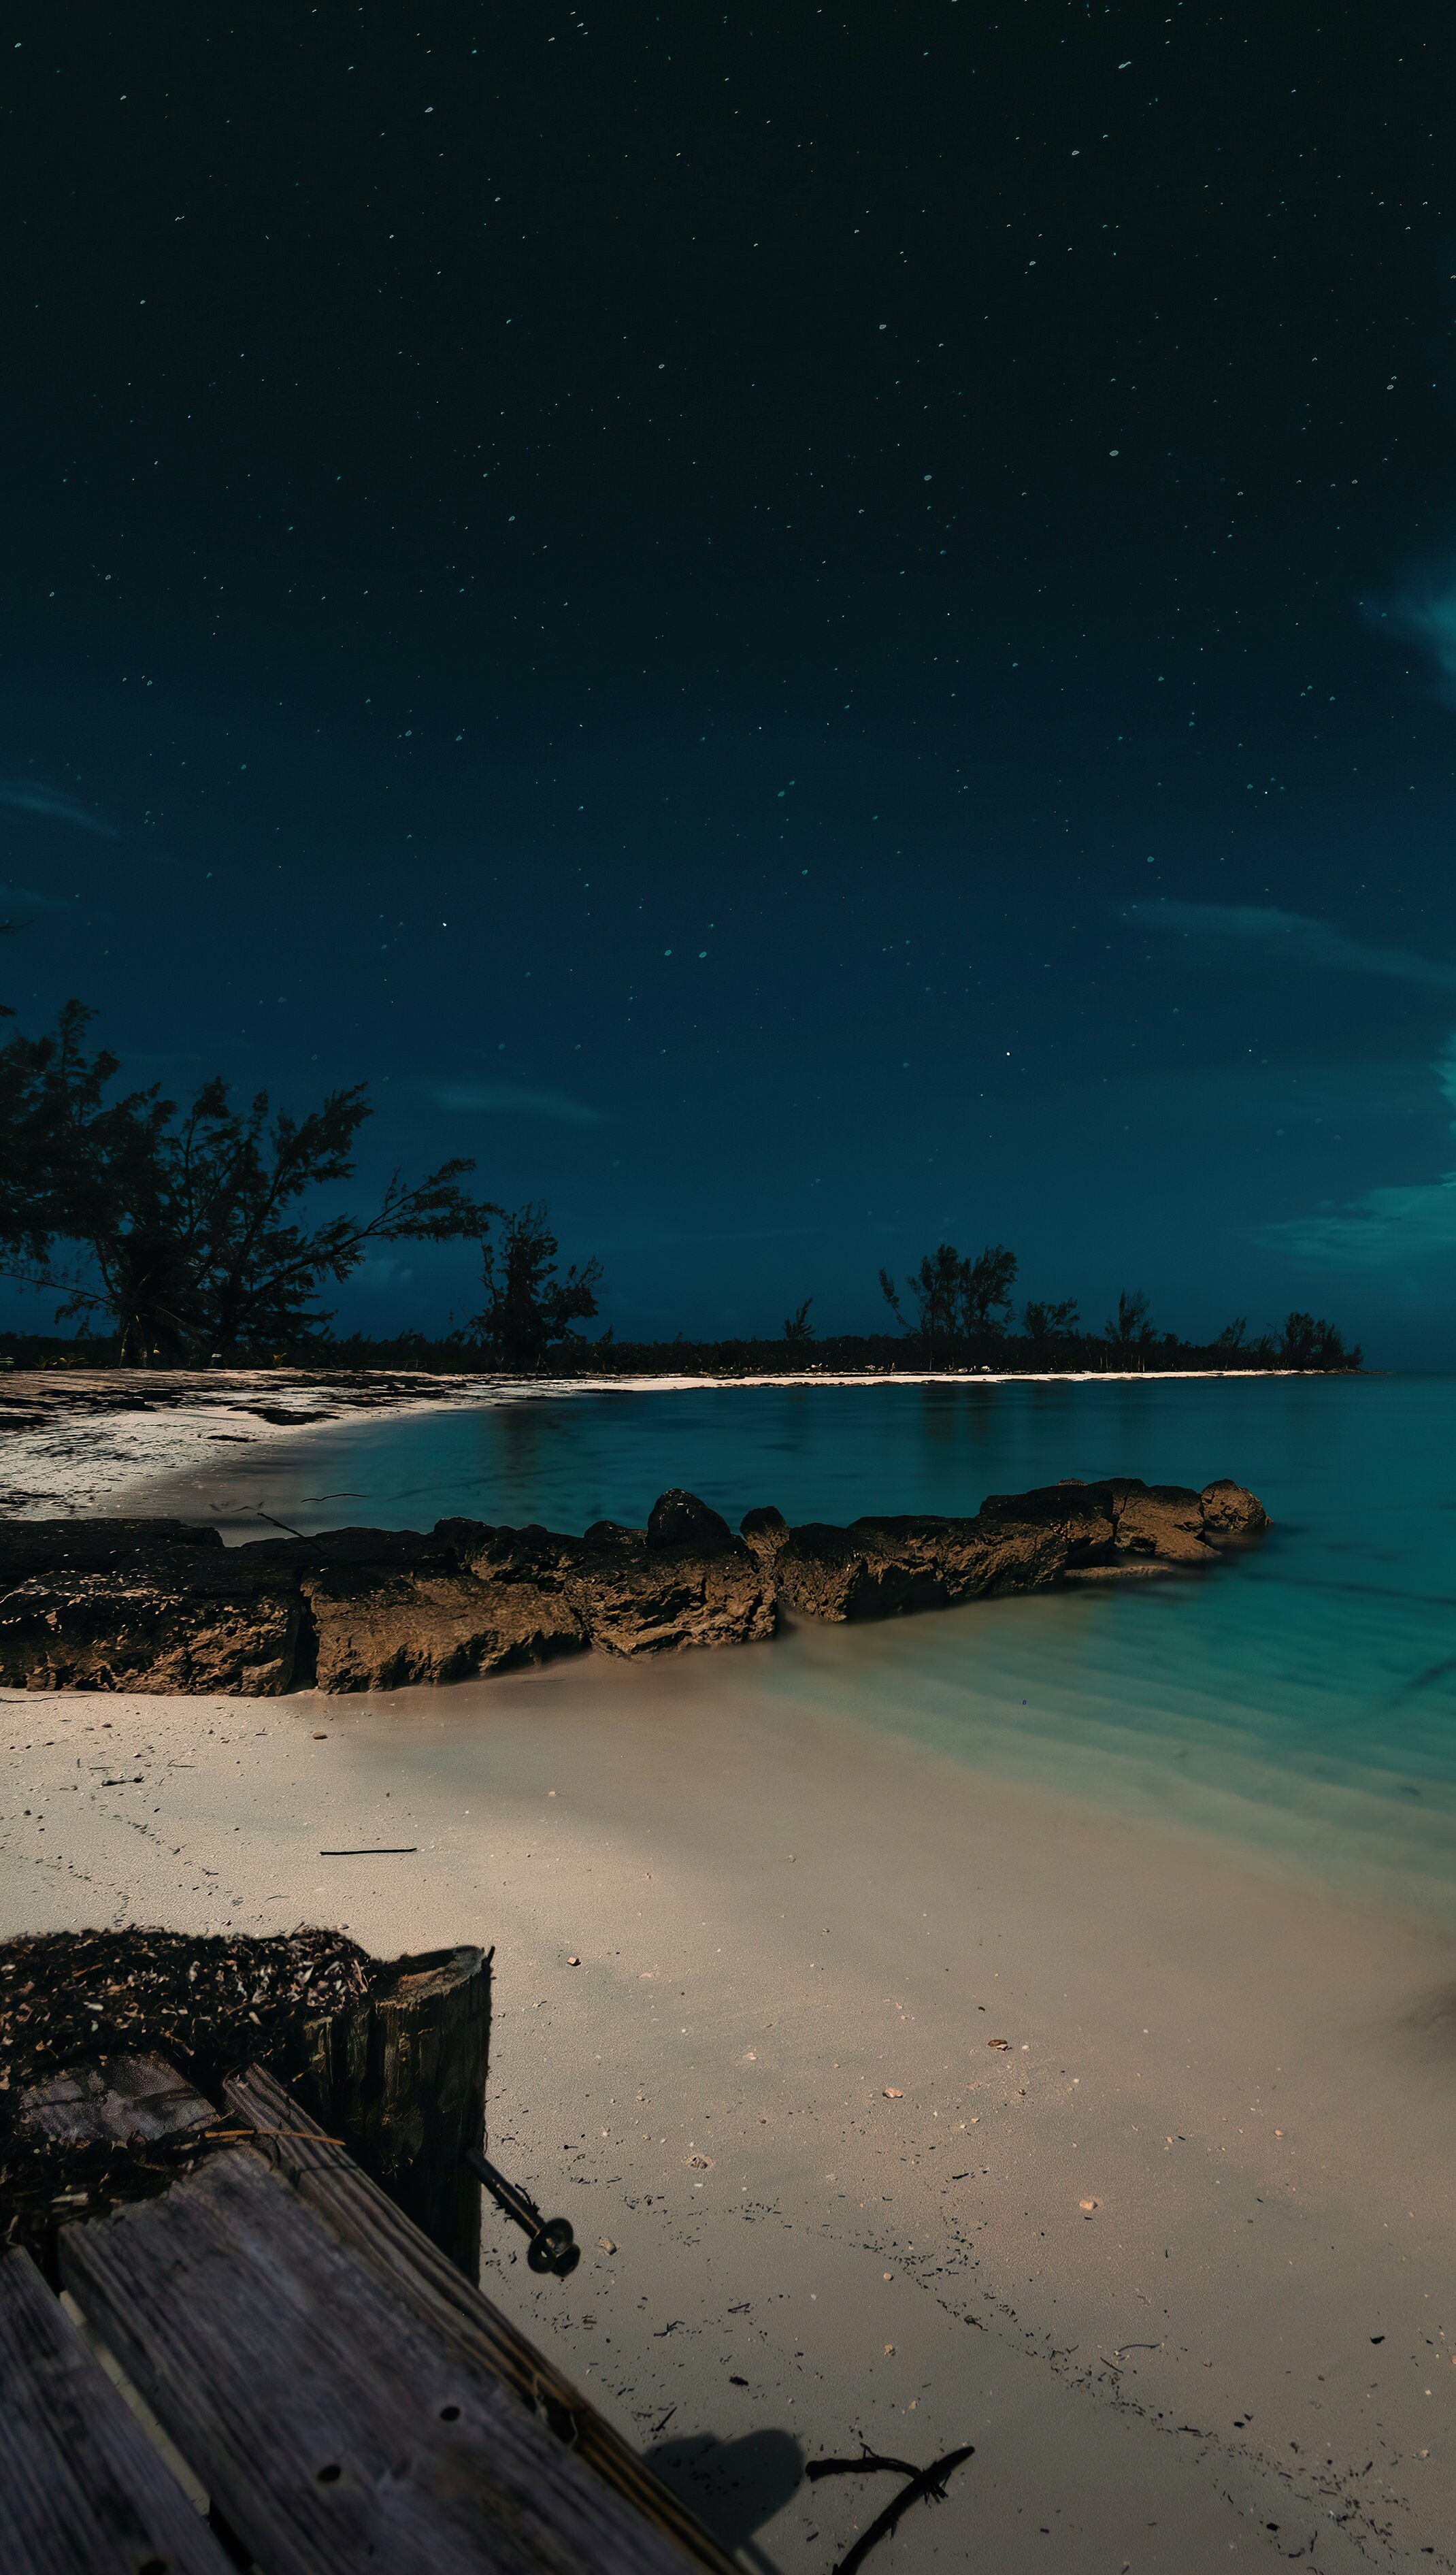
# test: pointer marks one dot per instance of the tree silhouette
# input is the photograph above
(954, 1298)
(797, 1327)
(1046, 1324)
(527, 1310)
(1133, 1329)
(1310, 1343)
(191, 1224)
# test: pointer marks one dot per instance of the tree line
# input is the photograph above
(961, 1307)
(186, 1233)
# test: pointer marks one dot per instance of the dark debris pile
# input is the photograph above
(207, 2005)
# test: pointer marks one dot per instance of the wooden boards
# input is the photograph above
(331, 2426)
(123, 2100)
(82, 2491)
(404, 2260)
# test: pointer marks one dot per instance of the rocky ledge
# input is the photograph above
(162, 1605)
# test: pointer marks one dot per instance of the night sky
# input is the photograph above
(803, 629)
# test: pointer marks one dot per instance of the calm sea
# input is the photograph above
(1301, 1699)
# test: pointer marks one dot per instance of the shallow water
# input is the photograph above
(1301, 1699)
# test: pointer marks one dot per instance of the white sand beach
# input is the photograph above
(1176, 2257)
(78, 1440)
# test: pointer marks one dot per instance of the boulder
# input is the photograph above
(764, 1532)
(680, 1519)
(1081, 1517)
(1231, 1511)
(623, 1594)
(1165, 1520)
(177, 1618)
(377, 1628)
(386, 1609)
(820, 1572)
(642, 1599)
(881, 1568)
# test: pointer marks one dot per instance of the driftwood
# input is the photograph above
(333, 2428)
(372, 2227)
(924, 2485)
(82, 2491)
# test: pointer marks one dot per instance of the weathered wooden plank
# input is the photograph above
(369, 2222)
(330, 2426)
(82, 2491)
(120, 2100)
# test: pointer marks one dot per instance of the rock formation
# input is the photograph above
(159, 1606)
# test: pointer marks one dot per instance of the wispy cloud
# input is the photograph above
(513, 1100)
(29, 797)
(1386, 1225)
(1286, 942)
(18, 904)
(1426, 615)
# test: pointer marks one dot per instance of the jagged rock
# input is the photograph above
(647, 1601)
(385, 1632)
(765, 1532)
(881, 1568)
(385, 1608)
(1079, 1519)
(1231, 1511)
(613, 1533)
(627, 1594)
(189, 1620)
(163, 1606)
(1165, 1520)
(820, 1572)
(680, 1519)
(89, 1546)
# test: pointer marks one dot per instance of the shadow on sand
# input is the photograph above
(733, 2486)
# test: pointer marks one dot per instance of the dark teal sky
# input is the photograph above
(803, 630)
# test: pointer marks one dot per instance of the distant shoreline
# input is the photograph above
(79, 1440)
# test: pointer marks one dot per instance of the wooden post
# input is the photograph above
(401, 2077)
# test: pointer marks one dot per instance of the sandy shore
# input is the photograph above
(81, 1440)
(837, 2209)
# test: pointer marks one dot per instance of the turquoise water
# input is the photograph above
(1301, 1698)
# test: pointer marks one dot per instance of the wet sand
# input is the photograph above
(838, 2210)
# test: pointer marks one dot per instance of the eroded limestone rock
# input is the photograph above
(385, 1608)
(188, 1619)
(160, 1606)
